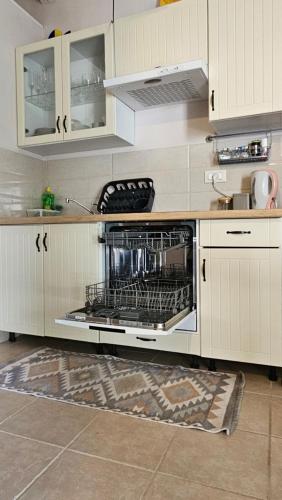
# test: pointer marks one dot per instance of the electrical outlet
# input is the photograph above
(218, 175)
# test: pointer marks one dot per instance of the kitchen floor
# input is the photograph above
(56, 451)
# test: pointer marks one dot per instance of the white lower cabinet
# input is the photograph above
(44, 271)
(21, 283)
(240, 296)
(45, 268)
(71, 262)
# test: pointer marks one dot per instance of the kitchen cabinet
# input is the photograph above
(71, 261)
(244, 59)
(240, 293)
(21, 284)
(44, 271)
(61, 98)
(168, 35)
(39, 99)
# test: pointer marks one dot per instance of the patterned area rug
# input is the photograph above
(209, 401)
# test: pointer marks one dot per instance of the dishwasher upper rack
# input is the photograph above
(139, 294)
(154, 241)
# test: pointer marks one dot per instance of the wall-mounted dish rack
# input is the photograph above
(236, 155)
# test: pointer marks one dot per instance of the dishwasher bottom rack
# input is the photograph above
(139, 294)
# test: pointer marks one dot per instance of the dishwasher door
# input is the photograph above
(154, 304)
(185, 321)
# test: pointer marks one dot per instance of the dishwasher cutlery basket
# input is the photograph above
(127, 196)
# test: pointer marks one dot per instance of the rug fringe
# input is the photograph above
(235, 415)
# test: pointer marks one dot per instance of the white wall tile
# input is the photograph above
(79, 178)
(21, 182)
(145, 162)
(164, 203)
(205, 200)
(178, 174)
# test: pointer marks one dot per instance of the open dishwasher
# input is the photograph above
(149, 280)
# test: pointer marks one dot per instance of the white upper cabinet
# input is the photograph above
(277, 54)
(39, 92)
(86, 62)
(61, 97)
(163, 36)
(245, 45)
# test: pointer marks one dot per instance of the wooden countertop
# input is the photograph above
(152, 216)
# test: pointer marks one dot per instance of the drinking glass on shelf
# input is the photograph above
(50, 79)
(31, 81)
(37, 83)
(44, 80)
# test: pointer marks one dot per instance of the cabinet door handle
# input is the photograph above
(44, 242)
(204, 270)
(212, 100)
(58, 124)
(145, 340)
(238, 232)
(65, 123)
(37, 242)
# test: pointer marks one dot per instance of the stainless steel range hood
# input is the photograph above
(162, 86)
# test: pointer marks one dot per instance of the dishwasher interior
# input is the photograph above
(150, 276)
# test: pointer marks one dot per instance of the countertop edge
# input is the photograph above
(143, 217)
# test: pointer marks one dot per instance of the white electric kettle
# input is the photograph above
(264, 188)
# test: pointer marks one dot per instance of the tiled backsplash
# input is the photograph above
(21, 182)
(178, 174)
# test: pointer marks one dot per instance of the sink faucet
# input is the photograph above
(68, 200)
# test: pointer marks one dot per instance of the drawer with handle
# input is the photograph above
(176, 342)
(240, 233)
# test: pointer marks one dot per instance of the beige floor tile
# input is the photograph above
(20, 460)
(276, 469)
(171, 488)
(10, 402)
(11, 350)
(254, 413)
(49, 421)
(78, 477)
(237, 463)
(125, 439)
(276, 417)
(26, 343)
(277, 388)
(257, 383)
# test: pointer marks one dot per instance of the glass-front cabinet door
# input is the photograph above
(39, 93)
(87, 59)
